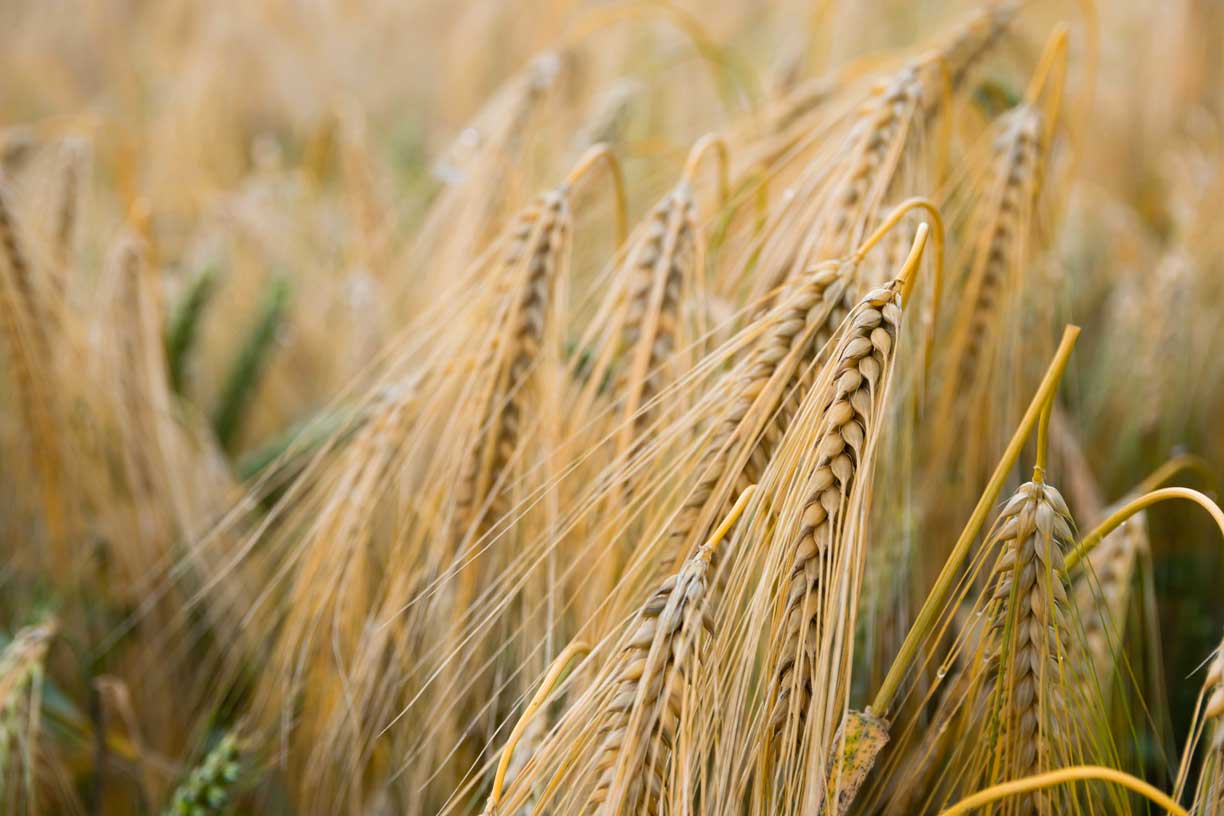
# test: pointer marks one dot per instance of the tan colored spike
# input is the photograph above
(1030, 628)
(537, 240)
(849, 418)
(769, 385)
(649, 678)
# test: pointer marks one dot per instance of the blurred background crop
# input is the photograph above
(248, 266)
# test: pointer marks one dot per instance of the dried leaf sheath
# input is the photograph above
(859, 741)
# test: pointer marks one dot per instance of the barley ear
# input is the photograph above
(208, 789)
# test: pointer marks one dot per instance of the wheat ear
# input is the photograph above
(850, 419)
(1209, 796)
(1031, 627)
(649, 676)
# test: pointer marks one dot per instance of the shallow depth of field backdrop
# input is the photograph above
(654, 407)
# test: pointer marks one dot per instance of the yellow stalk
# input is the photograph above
(703, 145)
(1185, 461)
(1053, 60)
(906, 275)
(577, 649)
(1118, 517)
(1062, 776)
(1043, 440)
(602, 153)
(890, 221)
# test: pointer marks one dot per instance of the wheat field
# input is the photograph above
(597, 408)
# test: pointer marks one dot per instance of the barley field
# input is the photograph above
(594, 408)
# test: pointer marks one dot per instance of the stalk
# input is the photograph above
(1119, 516)
(1061, 777)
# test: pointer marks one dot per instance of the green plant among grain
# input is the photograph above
(243, 378)
(208, 788)
(185, 325)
